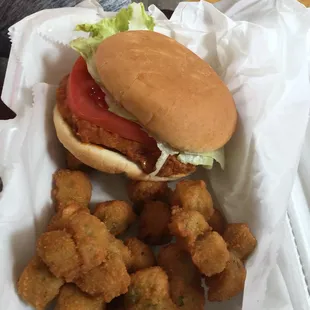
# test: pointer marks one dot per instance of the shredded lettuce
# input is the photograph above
(203, 159)
(132, 18)
(165, 152)
(196, 159)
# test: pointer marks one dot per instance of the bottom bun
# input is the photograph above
(100, 158)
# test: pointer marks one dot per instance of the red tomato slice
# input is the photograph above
(87, 101)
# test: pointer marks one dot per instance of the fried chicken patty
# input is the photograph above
(87, 132)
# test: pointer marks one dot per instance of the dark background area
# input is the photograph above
(5, 112)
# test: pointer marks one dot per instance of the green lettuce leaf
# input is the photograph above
(140, 20)
(196, 159)
(203, 159)
(132, 18)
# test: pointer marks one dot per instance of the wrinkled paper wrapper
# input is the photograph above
(262, 57)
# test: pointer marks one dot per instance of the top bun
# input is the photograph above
(172, 92)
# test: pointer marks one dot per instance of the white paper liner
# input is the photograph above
(263, 62)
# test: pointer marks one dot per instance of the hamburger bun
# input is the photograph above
(98, 157)
(172, 92)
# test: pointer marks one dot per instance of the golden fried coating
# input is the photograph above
(188, 224)
(210, 254)
(147, 284)
(60, 219)
(149, 289)
(184, 278)
(218, 222)
(193, 195)
(117, 215)
(178, 263)
(58, 251)
(91, 237)
(229, 283)
(240, 240)
(140, 192)
(72, 298)
(142, 255)
(109, 280)
(119, 249)
(153, 224)
(71, 186)
(187, 297)
(37, 285)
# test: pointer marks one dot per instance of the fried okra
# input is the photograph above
(193, 195)
(209, 253)
(140, 192)
(109, 280)
(142, 255)
(207, 248)
(184, 278)
(149, 289)
(228, 283)
(118, 248)
(91, 238)
(117, 215)
(71, 186)
(72, 298)
(240, 240)
(58, 251)
(153, 223)
(60, 220)
(188, 224)
(37, 285)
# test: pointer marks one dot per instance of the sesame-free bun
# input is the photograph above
(172, 92)
(98, 157)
